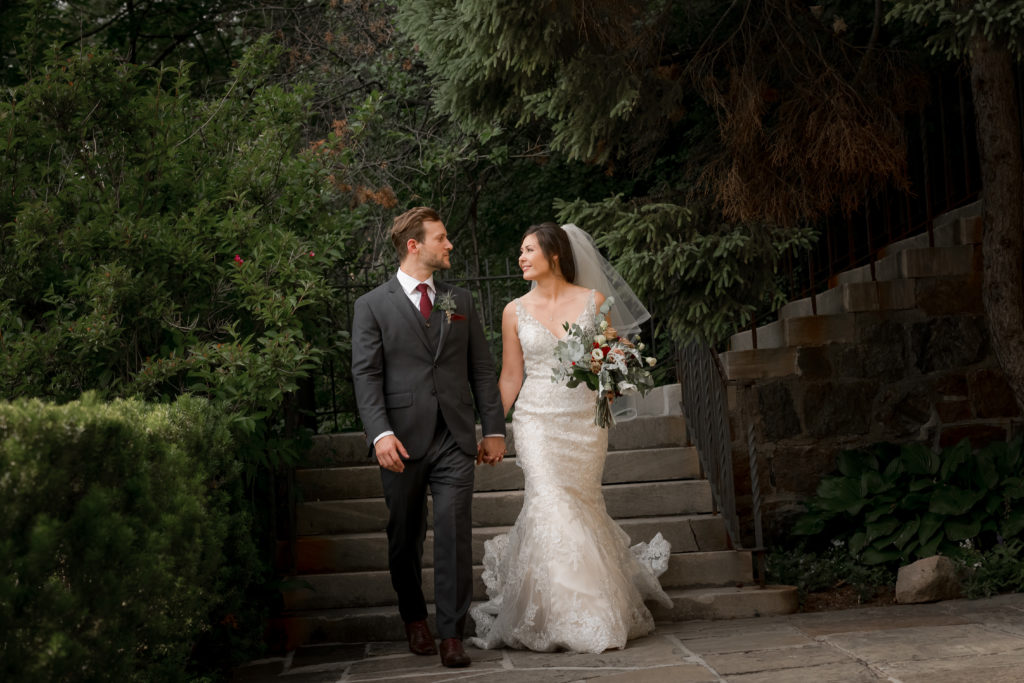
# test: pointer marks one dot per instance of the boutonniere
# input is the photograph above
(446, 304)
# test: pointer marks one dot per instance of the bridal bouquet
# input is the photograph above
(597, 356)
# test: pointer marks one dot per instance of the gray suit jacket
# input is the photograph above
(402, 380)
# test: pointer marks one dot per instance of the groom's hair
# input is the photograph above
(554, 243)
(410, 226)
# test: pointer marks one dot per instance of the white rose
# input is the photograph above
(640, 346)
(604, 325)
(651, 361)
(600, 339)
(597, 354)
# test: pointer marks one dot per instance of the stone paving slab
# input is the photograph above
(947, 642)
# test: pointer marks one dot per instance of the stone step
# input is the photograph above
(373, 588)
(500, 508)
(374, 624)
(949, 230)
(814, 330)
(363, 481)
(760, 363)
(921, 262)
(368, 551)
(852, 297)
(658, 431)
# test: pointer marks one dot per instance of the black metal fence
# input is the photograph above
(942, 171)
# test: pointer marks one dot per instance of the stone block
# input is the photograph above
(991, 394)
(759, 363)
(949, 296)
(798, 308)
(904, 410)
(727, 603)
(928, 580)
(838, 408)
(980, 434)
(647, 432)
(950, 384)
(775, 404)
(937, 261)
(813, 363)
(799, 469)
(894, 295)
(972, 230)
(870, 360)
(949, 342)
(953, 409)
(817, 330)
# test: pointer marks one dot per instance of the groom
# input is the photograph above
(420, 363)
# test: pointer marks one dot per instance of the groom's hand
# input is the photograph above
(390, 451)
(490, 450)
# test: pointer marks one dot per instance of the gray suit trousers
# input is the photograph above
(448, 472)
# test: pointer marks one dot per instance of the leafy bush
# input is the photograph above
(812, 572)
(998, 570)
(904, 503)
(156, 243)
(124, 545)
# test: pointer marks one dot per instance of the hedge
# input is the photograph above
(124, 546)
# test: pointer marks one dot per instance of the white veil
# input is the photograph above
(594, 272)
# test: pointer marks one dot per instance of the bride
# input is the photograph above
(564, 577)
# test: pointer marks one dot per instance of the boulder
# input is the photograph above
(928, 580)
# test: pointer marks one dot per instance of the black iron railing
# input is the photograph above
(706, 406)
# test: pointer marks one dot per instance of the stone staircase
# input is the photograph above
(341, 590)
(909, 276)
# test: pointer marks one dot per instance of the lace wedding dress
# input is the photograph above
(564, 577)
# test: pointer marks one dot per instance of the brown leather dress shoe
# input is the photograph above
(420, 640)
(452, 654)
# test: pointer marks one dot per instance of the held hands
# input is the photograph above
(390, 451)
(490, 450)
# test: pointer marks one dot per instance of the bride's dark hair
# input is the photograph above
(555, 246)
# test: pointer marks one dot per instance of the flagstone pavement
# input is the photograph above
(945, 642)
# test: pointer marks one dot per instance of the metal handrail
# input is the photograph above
(706, 407)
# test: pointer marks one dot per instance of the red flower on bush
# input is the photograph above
(239, 260)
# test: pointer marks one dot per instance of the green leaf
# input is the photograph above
(839, 494)
(930, 525)
(906, 534)
(881, 528)
(858, 541)
(954, 457)
(872, 483)
(919, 459)
(949, 500)
(1013, 524)
(875, 556)
(961, 530)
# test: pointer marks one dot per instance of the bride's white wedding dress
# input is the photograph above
(564, 577)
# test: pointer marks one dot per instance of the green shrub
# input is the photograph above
(124, 546)
(904, 503)
(998, 570)
(831, 568)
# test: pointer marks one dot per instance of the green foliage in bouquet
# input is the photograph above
(595, 355)
(905, 503)
(125, 553)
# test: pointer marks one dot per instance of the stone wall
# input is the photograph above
(925, 374)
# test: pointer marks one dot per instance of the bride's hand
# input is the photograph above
(491, 450)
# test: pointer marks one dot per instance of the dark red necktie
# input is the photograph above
(425, 305)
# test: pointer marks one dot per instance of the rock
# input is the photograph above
(775, 403)
(928, 580)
